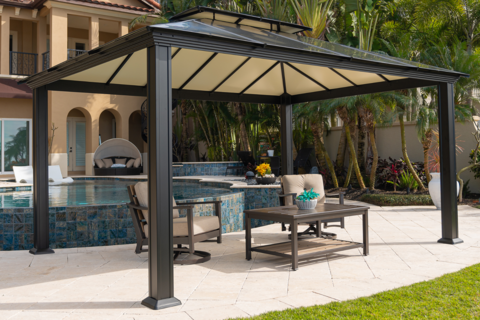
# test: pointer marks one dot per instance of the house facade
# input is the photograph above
(39, 34)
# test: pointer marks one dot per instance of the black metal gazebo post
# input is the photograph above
(41, 224)
(286, 133)
(160, 204)
(448, 181)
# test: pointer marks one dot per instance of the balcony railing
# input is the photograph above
(23, 63)
(72, 53)
(45, 60)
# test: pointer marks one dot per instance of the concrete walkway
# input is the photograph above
(109, 282)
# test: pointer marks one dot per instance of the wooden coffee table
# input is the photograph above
(303, 248)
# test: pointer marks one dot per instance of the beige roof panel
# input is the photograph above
(392, 78)
(360, 78)
(270, 84)
(98, 74)
(246, 75)
(323, 75)
(185, 63)
(134, 72)
(215, 72)
(298, 83)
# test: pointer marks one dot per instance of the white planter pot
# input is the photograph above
(306, 205)
(270, 153)
(434, 189)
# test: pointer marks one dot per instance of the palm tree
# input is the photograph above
(463, 16)
(347, 110)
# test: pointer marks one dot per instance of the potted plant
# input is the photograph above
(307, 200)
(264, 174)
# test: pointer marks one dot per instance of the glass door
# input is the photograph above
(76, 144)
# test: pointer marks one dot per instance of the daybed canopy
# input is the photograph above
(116, 147)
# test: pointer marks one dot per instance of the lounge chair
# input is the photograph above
(188, 230)
(293, 185)
(24, 174)
(55, 176)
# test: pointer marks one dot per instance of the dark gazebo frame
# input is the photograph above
(158, 90)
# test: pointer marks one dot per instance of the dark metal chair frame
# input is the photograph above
(312, 226)
(139, 223)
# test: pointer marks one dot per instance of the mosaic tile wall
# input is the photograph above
(232, 210)
(101, 225)
(208, 169)
(70, 227)
(257, 198)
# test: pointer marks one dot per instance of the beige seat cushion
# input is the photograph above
(121, 161)
(200, 225)
(108, 162)
(298, 183)
(141, 189)
(130, 163)
(137, 162)
(100, 163)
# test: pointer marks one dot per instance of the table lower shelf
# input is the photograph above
(308, 247)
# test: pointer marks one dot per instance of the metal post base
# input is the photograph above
(155, 304)
(35, 251)
(450, 241)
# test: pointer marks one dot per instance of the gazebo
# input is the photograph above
(209, 54)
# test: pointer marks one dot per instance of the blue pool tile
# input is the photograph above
(82, 225)
(71, 216)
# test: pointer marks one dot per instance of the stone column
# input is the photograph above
(5, 44)
(94, 33)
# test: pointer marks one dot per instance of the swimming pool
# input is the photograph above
(103, 192)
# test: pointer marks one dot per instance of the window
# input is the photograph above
(15, 144)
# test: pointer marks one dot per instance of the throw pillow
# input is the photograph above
(100, 163)
(130, 163)
(108, 162)
(120, 161)
(137, 162)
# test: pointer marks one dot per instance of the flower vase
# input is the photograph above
(434, 189)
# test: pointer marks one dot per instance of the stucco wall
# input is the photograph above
(389, 145)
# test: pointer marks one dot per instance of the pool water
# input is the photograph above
(102, 192)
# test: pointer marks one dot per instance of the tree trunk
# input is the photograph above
(340, 162)
(318, 150)
(353, 157)
(240, 112)
(405, 155)
(322, 153)
(349, 173)
(184, 142)
(373, 171)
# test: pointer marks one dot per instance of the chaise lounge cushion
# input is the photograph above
(298, 183)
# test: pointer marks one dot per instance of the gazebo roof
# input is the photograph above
(218, 55)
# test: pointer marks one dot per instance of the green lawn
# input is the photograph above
(453, 296)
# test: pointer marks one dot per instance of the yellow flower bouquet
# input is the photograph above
(263, 170)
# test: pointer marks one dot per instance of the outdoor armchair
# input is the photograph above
(293, 185)
(186, 230)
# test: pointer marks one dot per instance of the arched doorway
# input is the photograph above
(107, 126)
(135, 130)
(76, 140)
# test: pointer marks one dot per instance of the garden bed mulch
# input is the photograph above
(356, 194)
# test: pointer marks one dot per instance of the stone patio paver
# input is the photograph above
(110, 282)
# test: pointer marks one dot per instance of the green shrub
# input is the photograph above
(397, 199)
